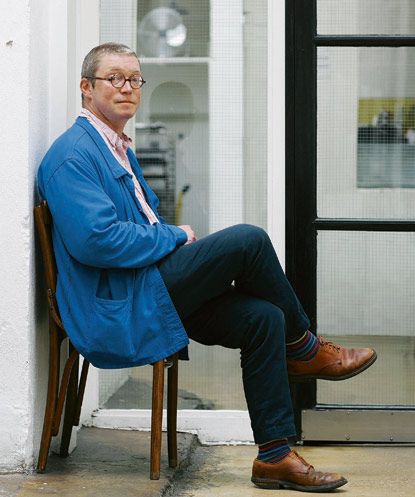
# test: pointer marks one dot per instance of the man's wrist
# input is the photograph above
(180, 234)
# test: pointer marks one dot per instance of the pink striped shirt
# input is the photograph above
(119, 146)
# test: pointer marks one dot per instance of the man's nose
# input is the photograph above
(126, 88)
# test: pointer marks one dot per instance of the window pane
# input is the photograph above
(366, 17)
(365, 297)
(201, 140)
(366, 132)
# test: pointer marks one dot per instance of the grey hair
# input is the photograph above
(93, 58)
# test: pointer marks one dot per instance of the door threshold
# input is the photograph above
(358, 424)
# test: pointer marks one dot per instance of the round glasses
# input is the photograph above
(119, 80)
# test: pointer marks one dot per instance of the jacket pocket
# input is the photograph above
(110, 338)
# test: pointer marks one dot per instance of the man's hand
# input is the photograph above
(191, 237)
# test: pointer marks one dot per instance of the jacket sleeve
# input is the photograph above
(87, 221)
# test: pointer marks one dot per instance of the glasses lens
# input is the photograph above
(118, 80)
(136, 82)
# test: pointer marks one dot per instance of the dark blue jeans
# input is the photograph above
(229, 289)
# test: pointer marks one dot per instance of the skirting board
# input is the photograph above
(212, 427)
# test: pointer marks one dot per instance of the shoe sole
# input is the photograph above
(280, 484)
(335, 378)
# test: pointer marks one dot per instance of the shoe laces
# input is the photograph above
(309, 466)
(325, 343)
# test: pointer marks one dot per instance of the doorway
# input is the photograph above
(351, 207)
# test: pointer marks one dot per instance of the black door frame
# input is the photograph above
(302, 223)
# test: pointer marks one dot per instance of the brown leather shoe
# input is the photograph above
(332, 362)
(294, 472)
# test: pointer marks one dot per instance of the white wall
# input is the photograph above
(23, 139)
(276, 214)
(34, 54)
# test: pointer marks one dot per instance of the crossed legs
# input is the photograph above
(230, 290)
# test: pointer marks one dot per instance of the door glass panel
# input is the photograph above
(350, 17)
(365, 132)
(365, 297)
(180, 126)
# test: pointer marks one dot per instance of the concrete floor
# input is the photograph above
(371, 472)
(105, 463)
(112, 463)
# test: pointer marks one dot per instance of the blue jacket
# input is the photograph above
(112, 299)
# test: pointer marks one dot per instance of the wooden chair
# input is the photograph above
(71, 387)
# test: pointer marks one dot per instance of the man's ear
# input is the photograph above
(86, 87)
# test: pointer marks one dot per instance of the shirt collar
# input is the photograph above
(113, 137)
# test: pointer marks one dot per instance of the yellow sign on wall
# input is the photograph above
(399, 110)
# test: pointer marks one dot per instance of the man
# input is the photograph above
(129, 284)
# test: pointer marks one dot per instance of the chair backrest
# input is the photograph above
(43, 221)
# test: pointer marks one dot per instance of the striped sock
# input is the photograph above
(303, 349)
(274, 451)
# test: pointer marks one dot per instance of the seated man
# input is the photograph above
(131, 288)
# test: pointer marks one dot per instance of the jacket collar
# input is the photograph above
(115, 140)
(115, 167)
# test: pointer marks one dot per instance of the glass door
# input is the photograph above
(352, 195)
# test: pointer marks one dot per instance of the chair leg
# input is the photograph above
(81, 391)
(156, 419)
(63, 388)
(51, 400)
(70, 407)
(172, 381)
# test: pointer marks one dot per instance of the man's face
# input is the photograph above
(114, 106)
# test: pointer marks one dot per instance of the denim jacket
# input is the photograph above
(113, 302)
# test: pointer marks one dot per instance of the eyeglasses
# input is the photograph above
(119, 80)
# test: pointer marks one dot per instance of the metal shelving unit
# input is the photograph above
(156, 154)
